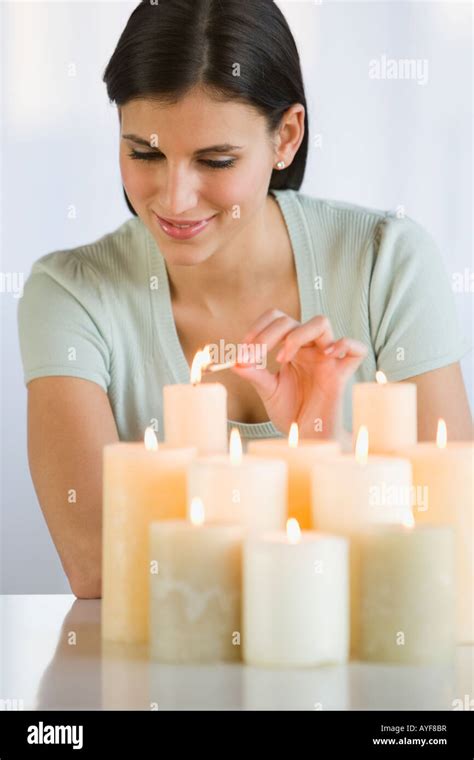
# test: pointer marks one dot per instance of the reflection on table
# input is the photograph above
(55, 660)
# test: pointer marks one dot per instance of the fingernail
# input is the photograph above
(329, 350)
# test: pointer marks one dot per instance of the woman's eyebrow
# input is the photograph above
(223, 148)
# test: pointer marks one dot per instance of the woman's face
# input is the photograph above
(183, 179)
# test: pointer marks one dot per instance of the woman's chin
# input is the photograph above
(185, 256)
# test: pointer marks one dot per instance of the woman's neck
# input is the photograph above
(249, 266)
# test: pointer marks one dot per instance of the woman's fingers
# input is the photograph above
(317, 331)
(346, 347)
(274, 326)
(275, 332)
(264, 382)
(261, 323)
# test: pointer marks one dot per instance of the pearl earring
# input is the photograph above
(280, 165)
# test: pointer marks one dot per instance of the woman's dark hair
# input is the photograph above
(234, 49)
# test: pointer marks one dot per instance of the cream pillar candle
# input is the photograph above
(299, 456)
(353, 490)
(295, 598)
(195, 590)
(141, 483)
(407, 594)
(196, 414)
(350, 493)
(443, 487)
(388, 411)
(239, 488)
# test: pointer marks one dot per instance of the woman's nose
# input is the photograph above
(179, 191)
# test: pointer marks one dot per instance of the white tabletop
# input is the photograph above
(53, 658)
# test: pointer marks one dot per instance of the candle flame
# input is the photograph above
(409, 521)
(197, 511)
(201, 360)
(235, 447)
(362, 445)
(293, 531)
(381, 377)
(441, 434)
(151, 441)
(293, 435)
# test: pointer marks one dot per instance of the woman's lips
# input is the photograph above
(183, 233)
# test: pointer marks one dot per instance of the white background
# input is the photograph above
(379, 143)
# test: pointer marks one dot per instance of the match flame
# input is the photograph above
(235, 447)
(362, 445)
(151, 441)
(201, 360)
(409, 521)
(197, 511)
(381, 377)
(293, 531)
(293, 435)
(441, 434)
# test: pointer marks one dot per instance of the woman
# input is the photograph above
(221, 246)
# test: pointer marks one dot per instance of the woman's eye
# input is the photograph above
(144, 156)
(220, 164)
(137, 155)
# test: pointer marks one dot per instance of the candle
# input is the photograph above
(295, 598)
(239, 488)
(196, 414)
(388, 411)
(443, 494)
(141, 483)
(407, 594)
(195, 589)
(350, 493)
(299, 456)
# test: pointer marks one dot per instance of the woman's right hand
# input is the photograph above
(309, 387)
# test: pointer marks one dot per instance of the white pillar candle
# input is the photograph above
(299, 456)
(443, 494)
(407, 594)
(141, 483)
(238, 488)
(354, 490)
(195, 590)
(351, 493)
(388, 411)
(295, 598)
(196, 414)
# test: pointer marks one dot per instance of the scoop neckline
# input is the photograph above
(172, 351)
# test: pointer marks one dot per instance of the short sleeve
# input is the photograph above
(59, 322)
(413, 318)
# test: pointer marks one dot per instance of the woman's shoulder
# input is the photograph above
(105, 257)
(336, 224)
(343, 212)
(343, 209)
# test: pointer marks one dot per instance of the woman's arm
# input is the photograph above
(441, 393)
(69, 422)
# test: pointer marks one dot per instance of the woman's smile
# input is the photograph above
(183, 231)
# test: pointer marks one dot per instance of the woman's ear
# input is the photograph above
(291, 132)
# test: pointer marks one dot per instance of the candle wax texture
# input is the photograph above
(195, 589)
(407, 594)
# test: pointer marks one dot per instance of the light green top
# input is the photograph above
(98, 311)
